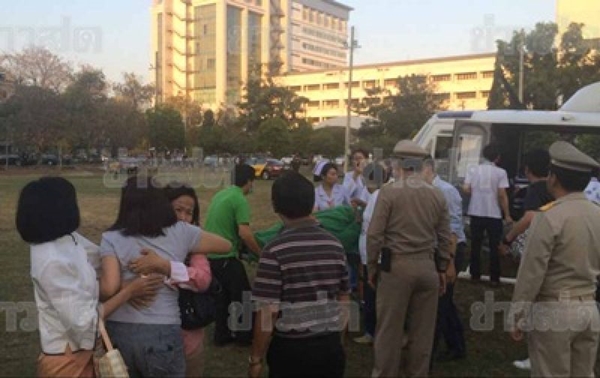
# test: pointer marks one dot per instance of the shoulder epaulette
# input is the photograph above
(548, 206)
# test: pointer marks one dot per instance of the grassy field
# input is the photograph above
(490, 353)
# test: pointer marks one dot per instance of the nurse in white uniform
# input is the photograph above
(329, 193)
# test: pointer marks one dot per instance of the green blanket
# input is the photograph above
(339, 221)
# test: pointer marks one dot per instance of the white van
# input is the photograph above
(456, 139)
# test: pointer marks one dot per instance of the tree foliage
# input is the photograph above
(166, 131)
(550, 72)
(273, 137)
(398, 116)
(264, 100)
(37, 66)
(133, 91)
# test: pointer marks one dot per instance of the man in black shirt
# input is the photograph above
(537, 163)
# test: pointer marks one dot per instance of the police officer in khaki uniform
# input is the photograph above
(554, 295)
(410, 217)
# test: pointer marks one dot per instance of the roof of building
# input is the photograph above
(338, 4)
(400, 63)
(356, 122)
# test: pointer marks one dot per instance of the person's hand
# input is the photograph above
(150, 262)
(508, 220)
(443, 281)
(143, 290)
(373, 280)
(255, 371)
(451, 272)
(516, 334)
(503, 249)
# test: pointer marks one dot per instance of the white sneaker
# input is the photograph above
(523, 365)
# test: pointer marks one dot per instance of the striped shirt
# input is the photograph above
(303, 271)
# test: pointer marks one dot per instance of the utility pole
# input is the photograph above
(352, 45)
(521, 71)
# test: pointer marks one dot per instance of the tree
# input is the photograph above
(273, 136)
(85, 99)
(265, 99)
(133, 91)
(165, 128)
(301, 137)
(328, 141)
(37, 66)
(549, 73)
(399, 116)
(36, 118)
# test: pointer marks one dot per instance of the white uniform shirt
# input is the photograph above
(66, 295)
(485, 180)
(354, 188)
(592, 192)
(366, 221)
(339, 197)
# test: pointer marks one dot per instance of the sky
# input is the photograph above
(115, 34)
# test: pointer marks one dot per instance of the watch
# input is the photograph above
(253, 362)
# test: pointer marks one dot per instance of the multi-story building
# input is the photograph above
(460, 82)
(207, 49)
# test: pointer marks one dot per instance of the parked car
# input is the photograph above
(12, 159)
(211, 161)
(268, 168)
(287, 160)
(48, 159)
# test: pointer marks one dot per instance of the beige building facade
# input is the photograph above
(207, 49)
(461, 83)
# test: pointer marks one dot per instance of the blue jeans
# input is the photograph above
(149, 350)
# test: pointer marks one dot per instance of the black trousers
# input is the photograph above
(494, 229)
(232, 276)
(321, 356)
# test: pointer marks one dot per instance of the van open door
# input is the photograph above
(469, 140)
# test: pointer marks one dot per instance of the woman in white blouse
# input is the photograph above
(329, 194)
(65, 283)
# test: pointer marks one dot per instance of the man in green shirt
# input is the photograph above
(229, 216)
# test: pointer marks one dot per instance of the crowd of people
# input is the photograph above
(403, 270)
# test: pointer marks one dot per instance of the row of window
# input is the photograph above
(323, 19)
(324, 35)
(463, 76)
(323, 50)
(335, 104)
(387, 83)
(316, 63)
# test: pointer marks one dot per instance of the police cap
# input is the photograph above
(565, 155)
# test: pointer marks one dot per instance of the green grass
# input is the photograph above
(489, 353)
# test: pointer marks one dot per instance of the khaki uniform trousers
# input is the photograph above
(563, 338)
(406, 295)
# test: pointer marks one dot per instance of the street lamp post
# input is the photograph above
(352, 45)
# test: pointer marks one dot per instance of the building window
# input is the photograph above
(370, 84)
(488, 74)
(466, 95)
(438, 78)
(485, 94)
(305, 13)
(313, 87)
(296, 89)
(331, 104)
(390, 82)
(467, 76)
(313, 104)
(355, 102)
(331, 86)
(313, 120)
(355, 84)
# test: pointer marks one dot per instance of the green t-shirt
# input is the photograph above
(228, 209)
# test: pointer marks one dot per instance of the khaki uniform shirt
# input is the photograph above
(410, 217)
(562, 254)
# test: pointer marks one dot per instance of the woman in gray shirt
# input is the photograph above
(149, 338)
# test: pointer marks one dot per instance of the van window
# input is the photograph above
(442, 147)
(470, 142)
